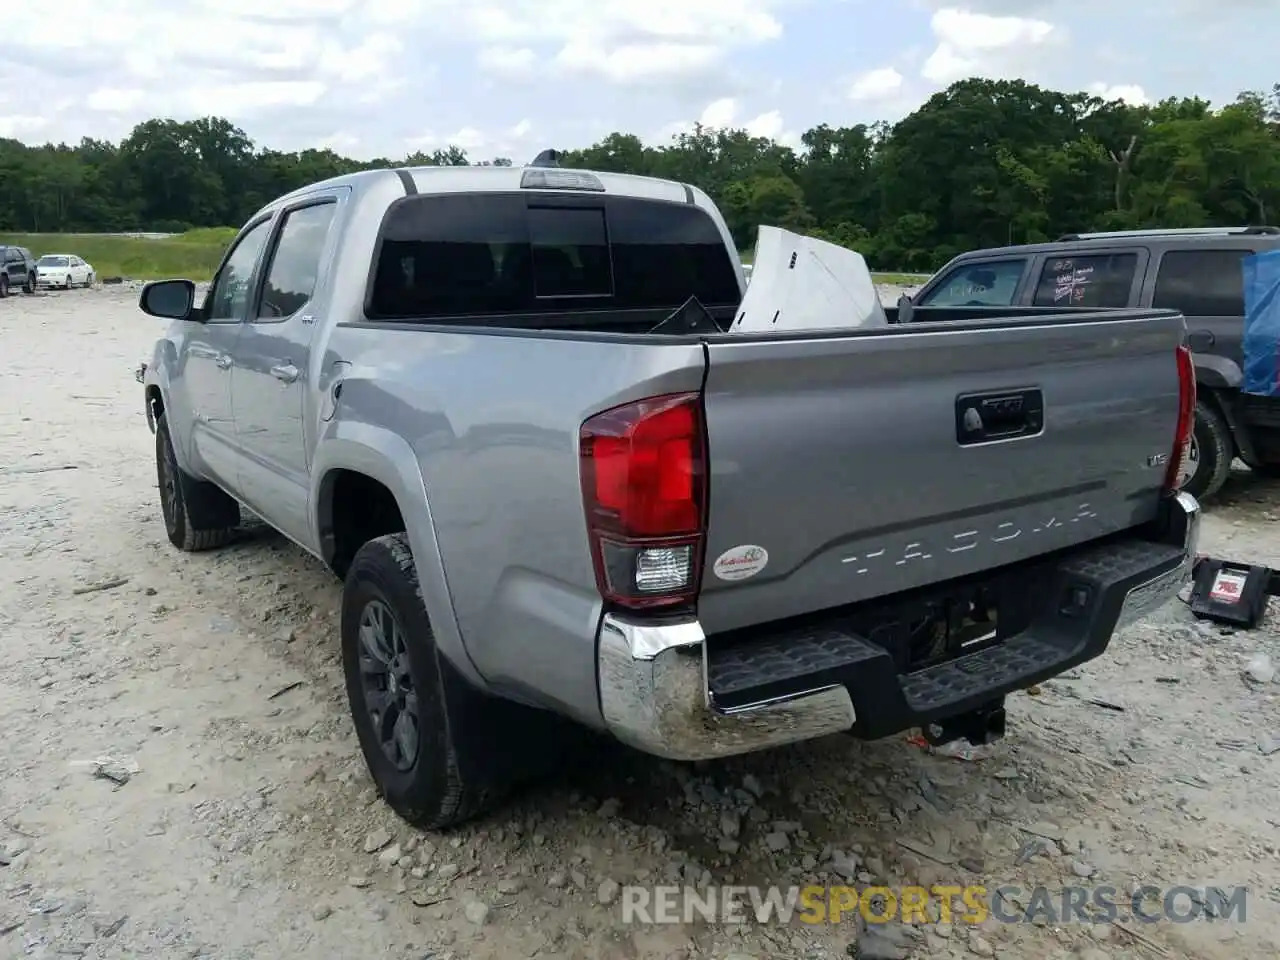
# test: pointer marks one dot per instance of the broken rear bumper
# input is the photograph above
(669, 691)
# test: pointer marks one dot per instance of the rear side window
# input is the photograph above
(1097, 280)
(497, 255)
(295, 263)
(1201, 283)
(991, 283)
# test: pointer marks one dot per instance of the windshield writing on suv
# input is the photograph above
(503, 255)
(52, 262)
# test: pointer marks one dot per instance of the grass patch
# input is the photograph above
(194, 255)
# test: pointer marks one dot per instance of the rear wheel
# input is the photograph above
(4, 286)
(397, 693)
(197, 514)
(440, 751)
(1208, 461)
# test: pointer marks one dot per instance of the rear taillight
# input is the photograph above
(1186, 418)
(644, 487)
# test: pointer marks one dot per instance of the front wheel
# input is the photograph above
(30, 285)
(1208, 462)
(4, 286)
(88, 282)
(197, 515)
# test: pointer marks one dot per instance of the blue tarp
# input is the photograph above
(1262, 323)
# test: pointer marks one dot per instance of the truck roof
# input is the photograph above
(469, 179)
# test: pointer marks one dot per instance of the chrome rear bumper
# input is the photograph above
(655, 695)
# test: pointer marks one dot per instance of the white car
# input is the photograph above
(63, 271)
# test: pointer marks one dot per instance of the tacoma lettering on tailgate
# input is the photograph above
(959, 543)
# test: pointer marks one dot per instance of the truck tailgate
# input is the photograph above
(852, 466)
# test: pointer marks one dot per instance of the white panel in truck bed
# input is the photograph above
(801, 283)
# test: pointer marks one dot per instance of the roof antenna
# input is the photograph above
(547, 158)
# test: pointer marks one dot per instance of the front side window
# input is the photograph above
(295, 264)
(230, 293)
(991, 283)
(1095, 280)
(1201, 283)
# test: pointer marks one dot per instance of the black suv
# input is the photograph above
(17, 270)
(1196, 271)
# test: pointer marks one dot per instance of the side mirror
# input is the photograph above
(168, 299)
(903, 301)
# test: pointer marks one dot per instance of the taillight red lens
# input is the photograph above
(644, 491)
(1186, 417)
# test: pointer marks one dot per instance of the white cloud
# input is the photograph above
(766, 125)
(507, 61)
(637, 62)
(18, 125)
(116, 100)
(1128, 92)
(720, 113)
(876, 84)
(723, 114)
(244, 99)
(976, 44)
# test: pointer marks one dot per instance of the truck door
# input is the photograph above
(205, 365)
(273, 372)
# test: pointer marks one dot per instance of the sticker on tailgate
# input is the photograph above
(738, 563)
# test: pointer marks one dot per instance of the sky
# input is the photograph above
(509, 78)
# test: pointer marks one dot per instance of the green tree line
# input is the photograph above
(982, 163)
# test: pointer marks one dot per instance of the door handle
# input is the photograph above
(223, 362)
(286, 372)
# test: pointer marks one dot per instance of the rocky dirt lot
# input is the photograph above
(179, 777)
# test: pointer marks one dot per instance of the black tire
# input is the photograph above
(432, 791)
(88, 282)
(30, 285)
(1214, 448)
(197, 514)
(4, 286)
(471, 748)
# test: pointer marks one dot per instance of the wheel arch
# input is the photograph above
(354, 462)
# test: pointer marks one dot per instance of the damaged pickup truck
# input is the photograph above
(575, 473)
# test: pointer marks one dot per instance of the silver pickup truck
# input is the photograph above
(553, 509)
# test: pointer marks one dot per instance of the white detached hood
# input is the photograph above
(800, 283)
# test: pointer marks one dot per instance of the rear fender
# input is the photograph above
(388, 458)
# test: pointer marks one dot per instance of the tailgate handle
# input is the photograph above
(1003, 415)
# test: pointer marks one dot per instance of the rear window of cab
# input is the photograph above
(461, 257)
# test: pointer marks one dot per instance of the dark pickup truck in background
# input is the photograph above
(1196, 272)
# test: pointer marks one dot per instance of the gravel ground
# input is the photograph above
(179, 777)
